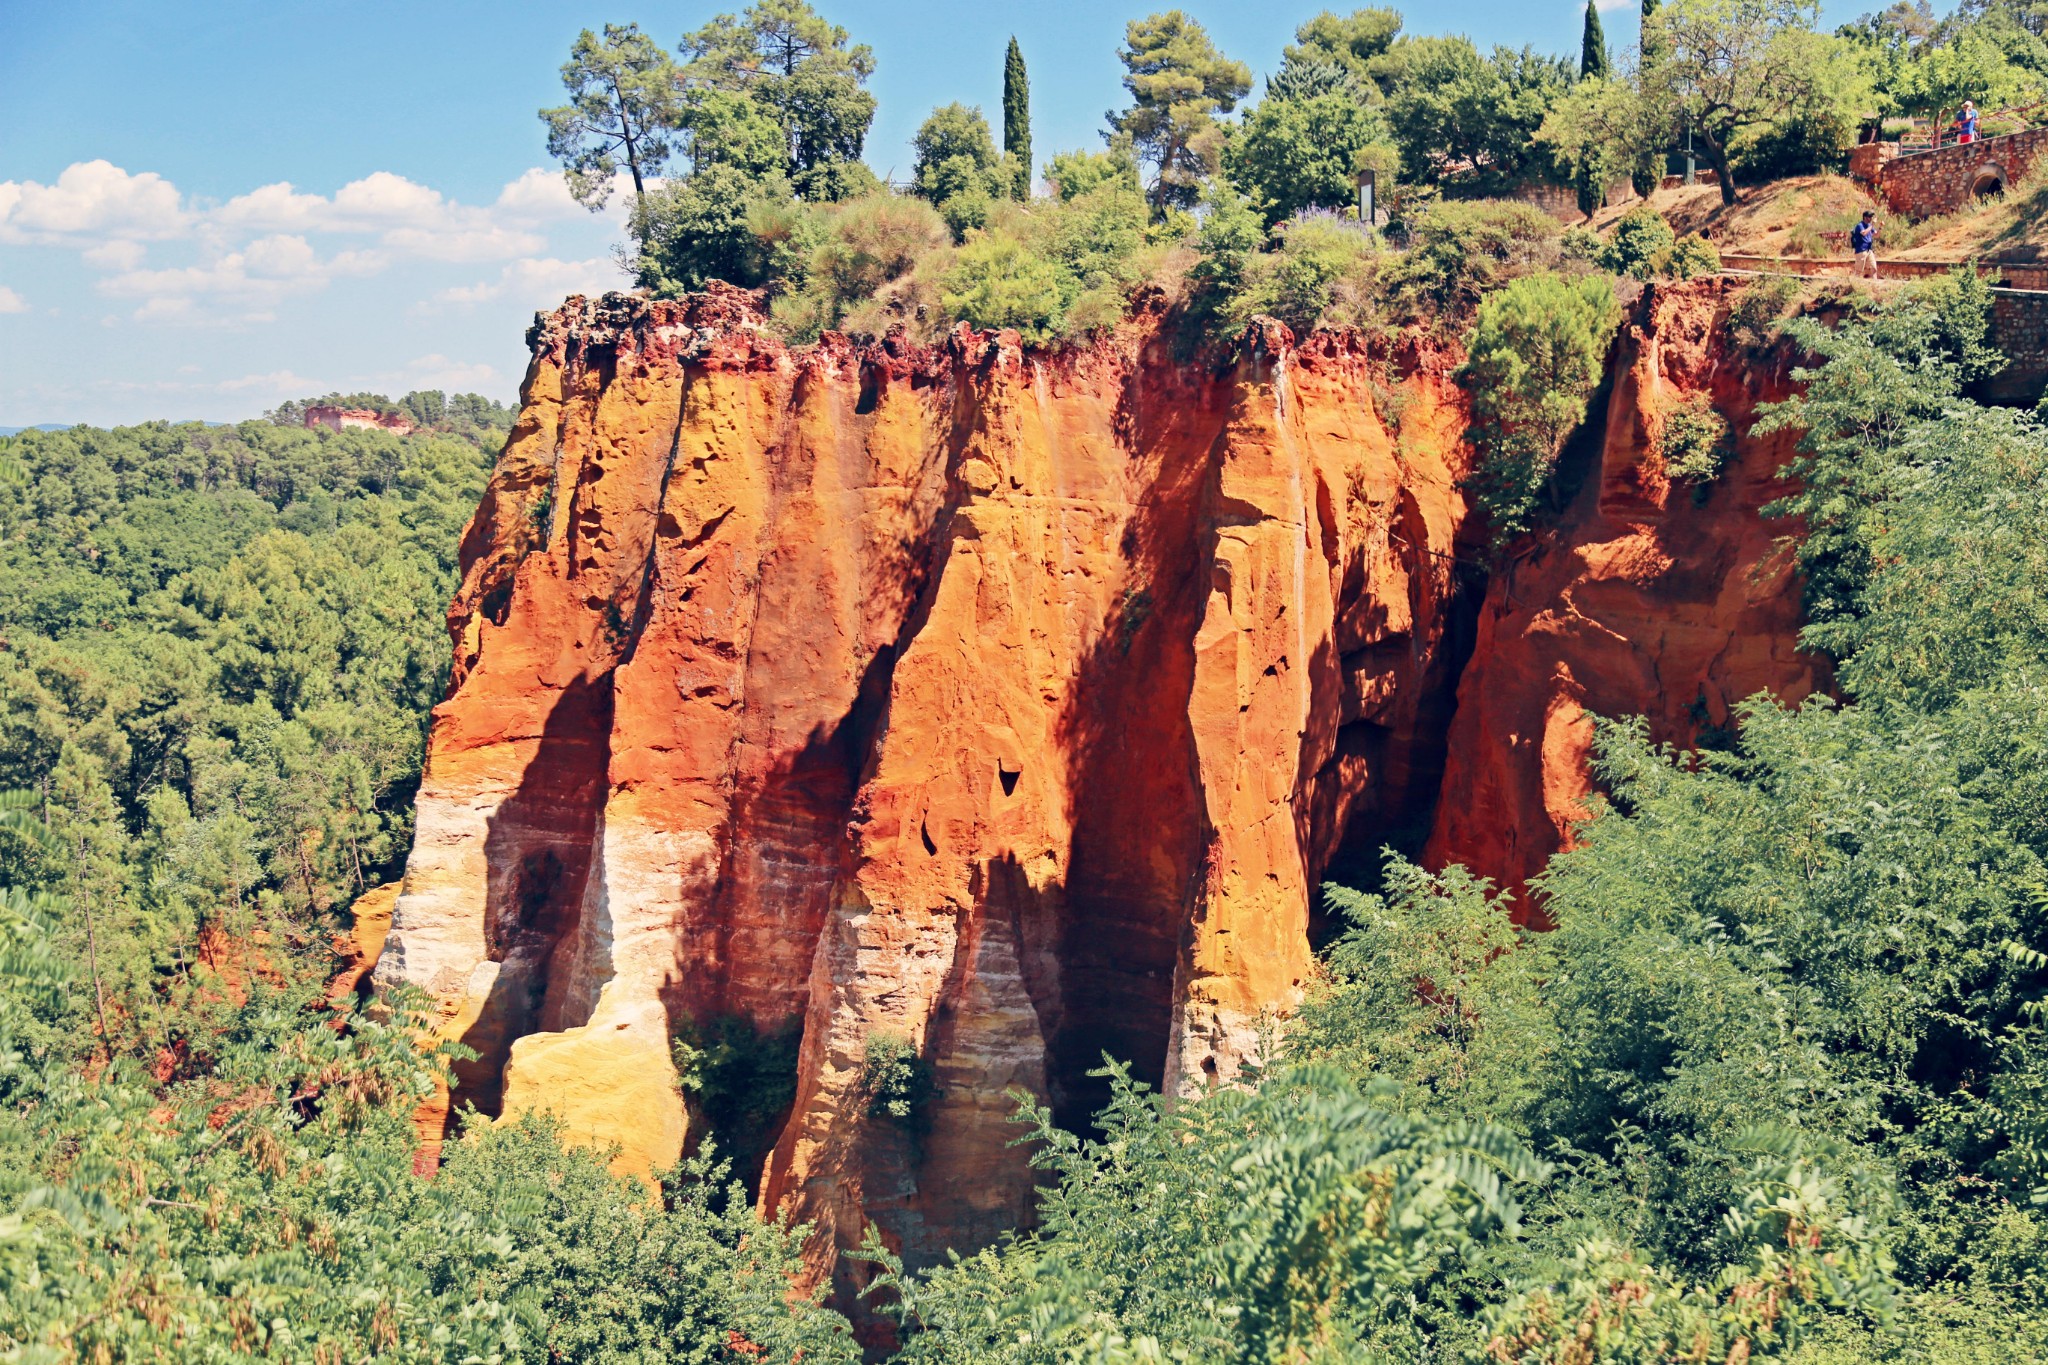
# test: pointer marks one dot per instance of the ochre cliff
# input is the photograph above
(1006, 707)
(1645, 597)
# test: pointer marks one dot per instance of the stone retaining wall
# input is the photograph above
(1928, 184)
(2019, 327)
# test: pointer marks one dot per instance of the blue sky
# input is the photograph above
(208, 208)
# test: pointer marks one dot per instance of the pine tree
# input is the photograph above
(1593, 46)
(1017, 117)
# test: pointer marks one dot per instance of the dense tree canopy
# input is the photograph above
(808, 74)
(1292, 154)
(621, 112)
(1180, 85)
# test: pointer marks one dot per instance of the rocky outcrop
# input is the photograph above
(982, 710)
(1650, 597)
(1001, 705)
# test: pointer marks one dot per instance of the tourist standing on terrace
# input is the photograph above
(1966, 123)
(1863, 241)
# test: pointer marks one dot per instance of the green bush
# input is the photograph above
(1580, 244)
(703, 228)
(1690, 255)
(1077, 173)
(872, 242)
(1639, 239)
(1535, 354)
(896, 1081)
(1052, 268)
(1458, 253)
(1694, 441)
(999, 282)
(1757, 309)
(1321, 271)
(741, 1081)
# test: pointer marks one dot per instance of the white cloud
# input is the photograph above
(480, 243)
(242, 286)
(106, 214)
(540, 283)
(543, 196)
(279, 382)
(539, 194)
(409, 217)
(11, 302)
(91, 198)
(119, 254)
(182, 311)
(440, 372)
(272, 206)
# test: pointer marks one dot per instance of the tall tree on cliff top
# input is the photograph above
(1178, 84)
(799, 67)
(1593, 46)
(1354, 43)
(621, 112)
(1017, 117)
(1727, 67)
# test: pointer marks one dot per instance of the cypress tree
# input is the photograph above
(1648, 171)
(1017, 117)
(1593, 46)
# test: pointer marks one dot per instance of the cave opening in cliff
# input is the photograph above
(1396, 769)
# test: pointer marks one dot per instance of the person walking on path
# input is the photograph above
(1863, 241)
(1966, 123)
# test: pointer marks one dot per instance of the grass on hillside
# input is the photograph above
(1793, 217)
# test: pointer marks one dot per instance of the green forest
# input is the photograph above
(1772, 1086)
(742, 150)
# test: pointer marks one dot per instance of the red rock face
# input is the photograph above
(1646, 598)
(994, 707)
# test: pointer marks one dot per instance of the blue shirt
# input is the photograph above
(1966, 124)
(1863, 237)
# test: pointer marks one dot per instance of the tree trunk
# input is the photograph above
(1717, 158)
(92, 951)
(626, 137)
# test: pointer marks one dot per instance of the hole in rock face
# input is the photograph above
(930, 846)
(497, 602)
(529, 902)
(1008, 779)
(870, 392)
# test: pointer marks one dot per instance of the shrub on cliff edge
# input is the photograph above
(1535, 351)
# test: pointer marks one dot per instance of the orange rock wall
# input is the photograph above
(1645, 597)
(1002, 705)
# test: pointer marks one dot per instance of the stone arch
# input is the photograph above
(1988, 179)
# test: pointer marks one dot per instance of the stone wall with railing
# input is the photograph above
(1929, 184)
